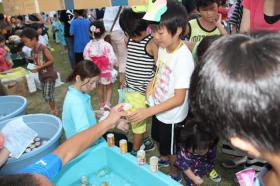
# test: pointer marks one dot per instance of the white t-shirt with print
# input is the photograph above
(175, 70)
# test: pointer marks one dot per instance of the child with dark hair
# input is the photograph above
(209, 22)
(77, 112)
(5, 61)
(41, 38)
(245, 95)
(201, 47)
(139, 70)
(197, 154)
(43, 60)
(168, 92)
(102, 54)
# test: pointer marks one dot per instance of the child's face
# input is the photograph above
(29, 42)
(39, 31)
(163, 38)
(209, 13)
(2, 44)
(89, 84)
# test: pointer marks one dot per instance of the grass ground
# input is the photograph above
(37, 105)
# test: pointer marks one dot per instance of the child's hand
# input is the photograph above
(139, 115)
(219, 20)
(198, 180)
(36, 69)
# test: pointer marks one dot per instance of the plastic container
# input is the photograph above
(12, 106)
(48, 127)
(103, 164)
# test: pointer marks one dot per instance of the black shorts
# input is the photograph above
(166, 135)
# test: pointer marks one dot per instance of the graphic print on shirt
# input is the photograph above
(162, 81)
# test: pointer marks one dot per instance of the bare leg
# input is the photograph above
(100, 95)
(109, 92)
(137, 141)
(173, 169)
(53, 108)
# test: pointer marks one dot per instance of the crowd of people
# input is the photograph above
(202, 75)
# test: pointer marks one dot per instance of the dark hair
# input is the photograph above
(29, 33)
(204, 44)
(19, 180)
(36, 26)
(196, 135)
(132, 23)
(173, 18)
(98, 25)
(2, 17)
(80, 12)
(236, 88)
(85, 69)
(20, 18)
(205, 3)
(2, 38)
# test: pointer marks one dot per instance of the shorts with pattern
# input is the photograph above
(48, 89)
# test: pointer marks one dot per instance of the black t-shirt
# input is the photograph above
(66, 17)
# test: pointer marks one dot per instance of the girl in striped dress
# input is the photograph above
(139, 70)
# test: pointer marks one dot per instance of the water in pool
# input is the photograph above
(104, 177)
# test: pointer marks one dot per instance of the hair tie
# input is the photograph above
(94, 29)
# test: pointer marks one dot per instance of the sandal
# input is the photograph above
(106, 107)
(232, 163)
(214, 176)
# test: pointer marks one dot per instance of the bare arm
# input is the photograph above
(245, 22)
(152, 49)
(176, 100)
(81, 141)
(48, 62)
(220, 26)
(196, 179)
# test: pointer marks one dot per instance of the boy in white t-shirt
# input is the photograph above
(168, 92)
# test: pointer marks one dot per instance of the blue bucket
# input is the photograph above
(12, 106)
(48, 127)
(98, 159)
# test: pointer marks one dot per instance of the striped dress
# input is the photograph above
(140, 65)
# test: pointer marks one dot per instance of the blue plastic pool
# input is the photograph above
(12, 106)
(121, 170)
(48, 127)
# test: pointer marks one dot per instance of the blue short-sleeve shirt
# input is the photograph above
(48, 166)
(77, 112)
(79, 28)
